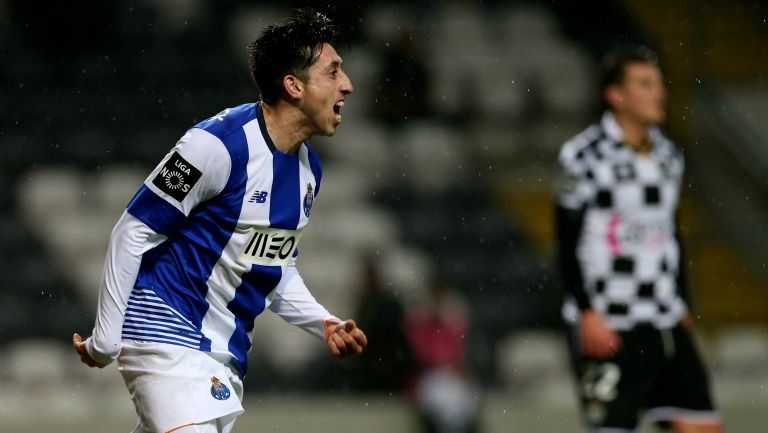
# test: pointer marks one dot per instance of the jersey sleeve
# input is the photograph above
(569, 224)
(130, 239)
(681, 278)
(195, 170)
(575, 187)
(292, 301)
(574, 191)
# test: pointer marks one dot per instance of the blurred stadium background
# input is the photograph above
(442, 171)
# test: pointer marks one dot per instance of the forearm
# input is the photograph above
(292, 301)
(129, 240)
(569, 225)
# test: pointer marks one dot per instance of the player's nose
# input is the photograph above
(346, 86)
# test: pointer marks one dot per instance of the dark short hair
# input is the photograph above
(289, 48)
(614, 65)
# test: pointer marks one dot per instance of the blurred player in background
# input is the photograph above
(622, 263)
(444, 390)
(210, 240)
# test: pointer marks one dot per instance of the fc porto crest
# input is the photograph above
(308, 199)
(219, 391)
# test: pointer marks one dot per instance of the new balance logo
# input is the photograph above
(258, 197)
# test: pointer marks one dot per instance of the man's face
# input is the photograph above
(641, 95)
(325, 91)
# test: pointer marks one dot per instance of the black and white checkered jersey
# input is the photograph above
(627, 249)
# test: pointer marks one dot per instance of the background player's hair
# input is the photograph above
(614, 65)
(289, 48)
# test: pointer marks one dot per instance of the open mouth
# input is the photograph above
(337, 107)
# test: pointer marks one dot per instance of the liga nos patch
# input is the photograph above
(177, 177)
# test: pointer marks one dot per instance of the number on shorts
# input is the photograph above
(600, 380)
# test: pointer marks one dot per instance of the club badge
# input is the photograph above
(219, 391)
(308, 199)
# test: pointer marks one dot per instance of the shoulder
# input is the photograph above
(203, 153)
(575, 151)
(201, 147)
(666, 145)
(228, 120)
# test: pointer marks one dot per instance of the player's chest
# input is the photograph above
(629, 182)
(278, 193)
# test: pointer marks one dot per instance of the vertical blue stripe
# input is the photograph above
(286, 202)
(248, 303)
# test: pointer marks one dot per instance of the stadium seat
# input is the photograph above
(742, 350)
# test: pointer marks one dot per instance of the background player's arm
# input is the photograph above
(681, 279)
(573, 193)
(569, 223)
(596, 338)
(292, 301)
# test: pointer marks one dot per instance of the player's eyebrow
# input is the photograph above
(335, 63)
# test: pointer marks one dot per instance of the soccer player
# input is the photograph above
(622, 263)
(210, 240)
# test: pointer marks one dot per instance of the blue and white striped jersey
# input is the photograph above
(222, 216)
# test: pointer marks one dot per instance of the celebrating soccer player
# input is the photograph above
(210, 240)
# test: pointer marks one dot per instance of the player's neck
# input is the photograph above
(284, 126)
(634, 133)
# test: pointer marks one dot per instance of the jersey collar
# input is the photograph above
(611, 127)
(263, 128)
(613, 130)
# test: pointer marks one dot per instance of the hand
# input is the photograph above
(597, 339)
(79, 345)
(345, 339)
(687, 321)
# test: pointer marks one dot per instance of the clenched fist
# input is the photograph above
(345, 338)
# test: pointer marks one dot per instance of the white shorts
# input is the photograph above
(173, 386)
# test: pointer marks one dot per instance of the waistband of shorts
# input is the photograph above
(223, 358)
(648, 327)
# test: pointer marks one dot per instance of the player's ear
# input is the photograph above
(613, 96)
(293, 87)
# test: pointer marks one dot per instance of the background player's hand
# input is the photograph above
(597, 339)
(346, 339)
(687, 321)
(79, 345)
